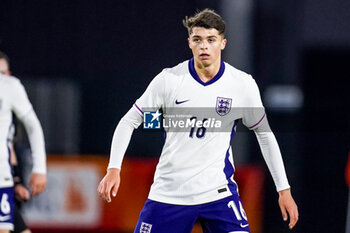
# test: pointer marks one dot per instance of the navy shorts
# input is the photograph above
(222, 216)
(7, 204)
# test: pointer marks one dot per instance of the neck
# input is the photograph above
(207, 73)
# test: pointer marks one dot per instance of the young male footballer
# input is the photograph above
(194, 177)
(13, 99)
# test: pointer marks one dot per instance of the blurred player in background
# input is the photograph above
(194, 177)
(14, 100)
(21, 192)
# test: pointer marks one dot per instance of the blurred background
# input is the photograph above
(84, 63)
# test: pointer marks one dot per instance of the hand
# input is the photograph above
(287, 205)
(109, 183)
(37, 183)
(21, 192)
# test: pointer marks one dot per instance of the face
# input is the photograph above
(206, 45)
(4, 67)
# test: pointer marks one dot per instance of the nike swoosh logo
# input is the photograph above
(4, 218)
(244, 225)
(181, 102)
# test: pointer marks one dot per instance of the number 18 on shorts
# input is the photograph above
(222, 216)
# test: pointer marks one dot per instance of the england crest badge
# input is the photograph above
(223, 105)
(145, 228)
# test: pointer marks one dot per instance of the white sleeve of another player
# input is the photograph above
(122, 136)
(20, 102)
(272, 155)
(25, 113)
(36, 140)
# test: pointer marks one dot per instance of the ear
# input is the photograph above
(223, 44)
(189, 43)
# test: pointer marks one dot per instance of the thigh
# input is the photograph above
(6, 208)
(157, 217)
(225, 215)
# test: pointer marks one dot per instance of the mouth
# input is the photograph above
(204, 56)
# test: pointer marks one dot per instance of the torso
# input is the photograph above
(196, 162)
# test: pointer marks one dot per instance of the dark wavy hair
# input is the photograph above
(206, 18)
(4, 56)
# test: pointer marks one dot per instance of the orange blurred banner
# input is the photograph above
(71, 204)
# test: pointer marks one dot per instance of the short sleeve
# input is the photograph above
(153, 97)
(20, 102)
(253, 111)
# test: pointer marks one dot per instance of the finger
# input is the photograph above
(108, 191)
(292, 222)
(38, 188)
(101, 191)
(26, 195)
(34, 190)
(41, 188)
(31, 183)
(32, 187)
(284, 214)
(104, 192)
(293, 219)
(115, 190)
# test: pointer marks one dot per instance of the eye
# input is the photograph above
(211, 40)
(195, 39)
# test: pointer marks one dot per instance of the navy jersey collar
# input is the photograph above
(195, 75)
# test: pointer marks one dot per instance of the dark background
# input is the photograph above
(113, 49)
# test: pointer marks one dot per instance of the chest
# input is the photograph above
(217, 100)
(190, 93)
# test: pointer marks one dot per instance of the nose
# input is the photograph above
(203, 45)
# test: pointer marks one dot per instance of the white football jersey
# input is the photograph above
(196, 163)
(13, 99)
